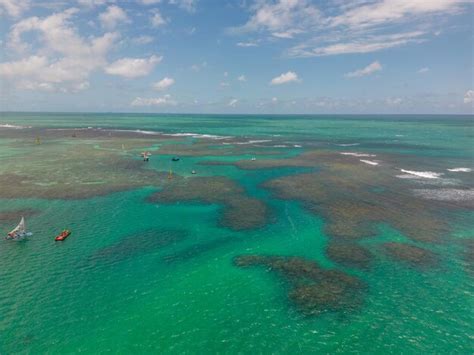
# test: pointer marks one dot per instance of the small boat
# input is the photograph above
(19, 232)
(146, 156)
(63, 235)
(253, 159)
(170, 174)
(175, 159)
(193, 172)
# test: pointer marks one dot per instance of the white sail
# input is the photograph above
(19, 231)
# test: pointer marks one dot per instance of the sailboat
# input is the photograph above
(19, 232)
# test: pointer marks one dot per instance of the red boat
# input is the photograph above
(63, 235)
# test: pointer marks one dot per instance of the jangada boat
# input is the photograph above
(19, 232)
(63, 235)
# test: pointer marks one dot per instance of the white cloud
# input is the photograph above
(246, 44)
(224, 84)
(113, 16)
(133, 67)
(63, 60)
(157, 20)
(469, 97)
(393, 11)
(280, 16)
(341, 27)
(14, 8)
(92, 3)
(423, 70)
(287, 34)
(143, 39)
(233, 102)
(242, 78)
(226, 74)
(188, 5)
(287, 77)
(163, 84)
(150, 2)
(369, 69)
(393, 101)
(367, 45)
(274, 100)
(198, 67)
(165, 100)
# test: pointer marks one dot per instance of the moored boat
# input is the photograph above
(63, 235)
(19, 232)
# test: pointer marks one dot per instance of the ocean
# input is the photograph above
(296, 234)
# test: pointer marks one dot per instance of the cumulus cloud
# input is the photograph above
(369, 69)
(423, 70)
(163, 84)
(469, 97)
(113, 16)
(165, 100)
(157, 20)
(133, 67)
(14, 8)
(285, 78)
(63, 60)
(233, 102)
(242, 78)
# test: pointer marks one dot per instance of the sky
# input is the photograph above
(237, 56)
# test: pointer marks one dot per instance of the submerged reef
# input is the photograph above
(314, 290)
(349, 254)
(72, 171)
(354, 198)
(14, 215)
(410, 254)
(240, 211)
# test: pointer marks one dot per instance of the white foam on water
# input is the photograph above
(460, 170)
(297, 146)
(280, 146)
(419, 174)
(347, 144)
(253, 141)
(7, 125)
(446, 194)
(359, 155)
(135, 131)
(196, 135)
(370, 162)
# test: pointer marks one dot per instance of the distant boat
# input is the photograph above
(19, 232)
(175, 159)
(146, 156)
(63, 235)
(253, 159)
(170, 174)
(193, 172)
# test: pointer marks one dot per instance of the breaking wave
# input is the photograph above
(370, 162)
(460, 170)
(410, 174)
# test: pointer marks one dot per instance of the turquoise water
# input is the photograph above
(108, 288)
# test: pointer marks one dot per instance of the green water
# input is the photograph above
(91, 295)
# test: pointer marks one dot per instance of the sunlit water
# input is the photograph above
(108, 289)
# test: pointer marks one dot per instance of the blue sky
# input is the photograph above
(240, 56)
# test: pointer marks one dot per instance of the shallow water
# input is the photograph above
(160, 275)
